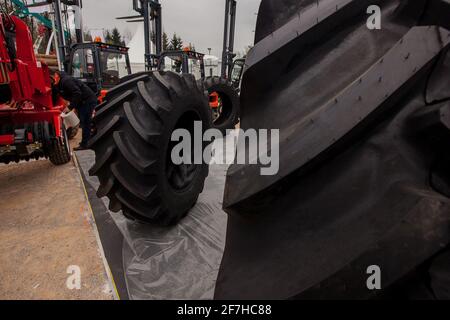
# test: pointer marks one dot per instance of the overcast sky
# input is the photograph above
(197, 21)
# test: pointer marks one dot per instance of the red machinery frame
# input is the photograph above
(28, 80)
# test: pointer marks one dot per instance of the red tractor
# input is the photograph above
(30, 118)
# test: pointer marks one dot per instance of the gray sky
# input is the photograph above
(197, 21)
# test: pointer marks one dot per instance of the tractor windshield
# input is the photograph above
(174, 62)
(236, 72)
(113, 66)
(83, 63)
(195, 68)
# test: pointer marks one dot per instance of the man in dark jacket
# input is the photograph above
(81, 98)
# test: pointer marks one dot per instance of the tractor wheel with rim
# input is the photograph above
(59, 149)
(229, 106)
(133, 146)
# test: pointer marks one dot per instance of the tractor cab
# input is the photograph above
(183, 62)
(99, 65)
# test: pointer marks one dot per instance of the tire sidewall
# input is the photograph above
(188, 196)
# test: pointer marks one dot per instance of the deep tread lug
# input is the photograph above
(101, 161)
(144, 167)
(113, 104)
(145, 196)
(149, 137)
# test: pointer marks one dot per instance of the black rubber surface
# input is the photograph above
(365, 200)
(275, 13)
(439, 275)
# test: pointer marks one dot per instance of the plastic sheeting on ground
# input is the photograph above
(181, 262)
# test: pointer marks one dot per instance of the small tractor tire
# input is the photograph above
(133, 146)
(229, 115)
(59, 149)
(72, 132)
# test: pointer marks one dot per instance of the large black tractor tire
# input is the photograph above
(59, 149)
(229, 114)
(133, 147)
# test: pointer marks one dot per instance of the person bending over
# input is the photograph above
(81, 98)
